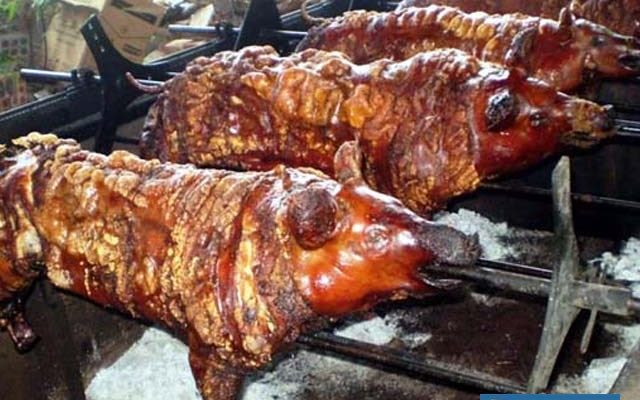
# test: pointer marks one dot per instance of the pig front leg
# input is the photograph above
(13, 320)
(15, 279)
(215, 381)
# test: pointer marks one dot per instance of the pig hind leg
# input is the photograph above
(15, 280)
(214, 381)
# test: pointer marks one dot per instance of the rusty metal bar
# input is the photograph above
(561, 313)
(421, 365)
(605, 298)
(634, 305)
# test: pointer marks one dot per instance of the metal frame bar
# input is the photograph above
(425, 367)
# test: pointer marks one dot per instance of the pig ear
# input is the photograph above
(501, 109)
(311, 216)
(347, 163)
(521, 47)
(576, 8)
(566, 18)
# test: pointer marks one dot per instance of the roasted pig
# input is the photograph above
(237, 263)
(430, 128)
(618, 15)
(565, 53)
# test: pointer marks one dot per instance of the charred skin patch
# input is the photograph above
(501, 110)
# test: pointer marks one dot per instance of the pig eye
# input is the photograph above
(598, 41)
(376, 239)
(538, 119)
(501, 109)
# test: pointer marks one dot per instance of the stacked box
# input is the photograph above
(16, 46)
(129, 24)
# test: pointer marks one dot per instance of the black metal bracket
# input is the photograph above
(260, 15)
(117, 92)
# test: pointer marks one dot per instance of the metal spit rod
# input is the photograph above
(421, 365)
(609, 298)
(220, 30)
(579, 197)
(54, 76)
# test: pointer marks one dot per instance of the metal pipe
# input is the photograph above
(38, 75)
(218, 30)
(401, 360)
(202, 30)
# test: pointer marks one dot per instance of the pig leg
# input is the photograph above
(15, 279)
(13, 320)
(214, 381)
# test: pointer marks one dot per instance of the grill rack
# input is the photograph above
(263, 25)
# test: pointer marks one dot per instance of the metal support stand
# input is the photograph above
(628, 383)
(560, 311)
(260, 15)
(117, 93)
(573, 288)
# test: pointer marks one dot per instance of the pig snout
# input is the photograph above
(630, 61)
(590, 123)
(606, 121)
(449, 246)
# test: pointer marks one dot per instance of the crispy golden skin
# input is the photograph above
(430, 128)
(238, 264)
(617, 15)
(562, 53)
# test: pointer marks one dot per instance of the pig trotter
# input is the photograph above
(214, 381)
(13, 320)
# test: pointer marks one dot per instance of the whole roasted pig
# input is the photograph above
(563, 53)
(618, 15)
(239, 264)
(429, 128)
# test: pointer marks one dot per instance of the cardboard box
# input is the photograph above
(16, 46)
(129, 24)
